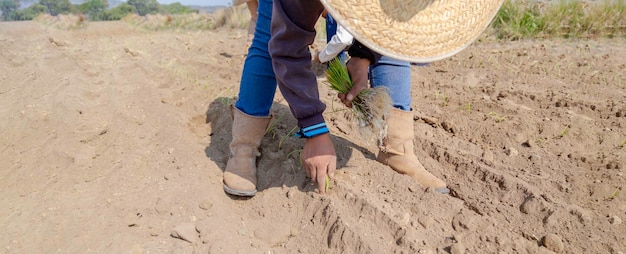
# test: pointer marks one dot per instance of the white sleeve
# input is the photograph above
(339, 42)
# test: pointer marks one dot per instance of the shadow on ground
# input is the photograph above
(279, 164)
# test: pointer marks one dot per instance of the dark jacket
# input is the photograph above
(293, 30)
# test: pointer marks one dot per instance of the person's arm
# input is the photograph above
(293, 30)
(339, 42)
(291, 59)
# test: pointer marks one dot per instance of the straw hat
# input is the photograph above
(414, 30)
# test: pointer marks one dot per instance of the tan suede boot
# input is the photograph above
(397, 151)
(240, 174)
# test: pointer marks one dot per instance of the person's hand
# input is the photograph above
(319, 159)
(358, 69)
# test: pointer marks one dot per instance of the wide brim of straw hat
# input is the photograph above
(413, 30)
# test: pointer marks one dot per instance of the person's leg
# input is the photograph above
(397, 150)
(331, 27)
(251, 115)
(396, 76)
(258, 83)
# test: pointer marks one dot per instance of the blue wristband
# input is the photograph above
(312, 131)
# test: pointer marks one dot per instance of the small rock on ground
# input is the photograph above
(187, 232)
(457, 248)
(554, 243)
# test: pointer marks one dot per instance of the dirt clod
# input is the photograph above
(554, 243)
(457, 248)
(187, 232)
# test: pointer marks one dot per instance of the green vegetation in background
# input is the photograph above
(564, 18)
(118, 12)
(8, 8)
(56, 7)
(517, 19)
(30, 12)
(94, 10)
(145, 7)
(176, 8)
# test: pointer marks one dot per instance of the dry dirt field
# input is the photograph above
(113, 140)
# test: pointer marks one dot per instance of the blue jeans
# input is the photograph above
(258, 83)
(396, 76)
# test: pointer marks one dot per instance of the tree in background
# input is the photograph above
(94, 9)
(176, 8)
(119, 12)
(8, 8)
(30, 12)
(144, 7)
(56, 7)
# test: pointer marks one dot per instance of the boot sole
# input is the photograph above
(442, 190)
(240, 193)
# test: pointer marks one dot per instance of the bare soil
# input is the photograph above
(114, 139)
